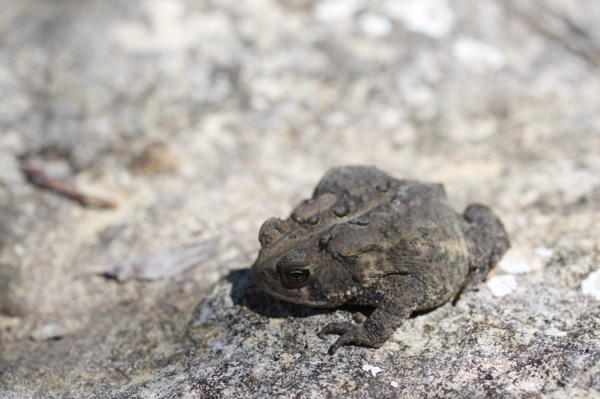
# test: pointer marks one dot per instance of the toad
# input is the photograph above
(366, 238)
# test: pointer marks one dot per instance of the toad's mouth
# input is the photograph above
(311, 294)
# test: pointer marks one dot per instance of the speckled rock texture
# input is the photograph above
(201, 119)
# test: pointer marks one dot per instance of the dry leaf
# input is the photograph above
(163, 263)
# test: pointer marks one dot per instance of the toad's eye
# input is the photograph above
(298, 275)
(293, 276)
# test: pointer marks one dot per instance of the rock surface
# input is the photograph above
(202, 118)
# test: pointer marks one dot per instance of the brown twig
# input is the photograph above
(37, 177)
(558, 28)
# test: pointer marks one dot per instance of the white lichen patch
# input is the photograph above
(375, 25)
(591, 285)
(477, 55)
(554, 332)
(336, 10)
(544, 252)
(48, 332)
(433, 18)
(520, 260)
(502, 285)
(166, 31)
(374, 370)
(515, 264)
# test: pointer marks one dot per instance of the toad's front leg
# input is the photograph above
(395, 297)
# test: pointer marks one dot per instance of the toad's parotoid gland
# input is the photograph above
(366, 238)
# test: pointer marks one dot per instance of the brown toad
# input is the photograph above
(366, 238)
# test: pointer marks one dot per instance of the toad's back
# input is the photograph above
(401, 227)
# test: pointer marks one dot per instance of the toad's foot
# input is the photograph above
(398, 297)
(351, 333)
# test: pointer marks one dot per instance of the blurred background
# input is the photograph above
(198, 119)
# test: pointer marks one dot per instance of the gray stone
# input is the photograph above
(249, 103)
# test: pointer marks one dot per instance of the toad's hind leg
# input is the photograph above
(487, 241)
(398, 296)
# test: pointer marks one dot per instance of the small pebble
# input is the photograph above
(337, 10)
(433, 18)
(375, 25)
(515, 262)
(591, 285)
(48, 332)
(19, 250)
(478, 54)
(502, 285)
(373, 369)
(544, 252)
